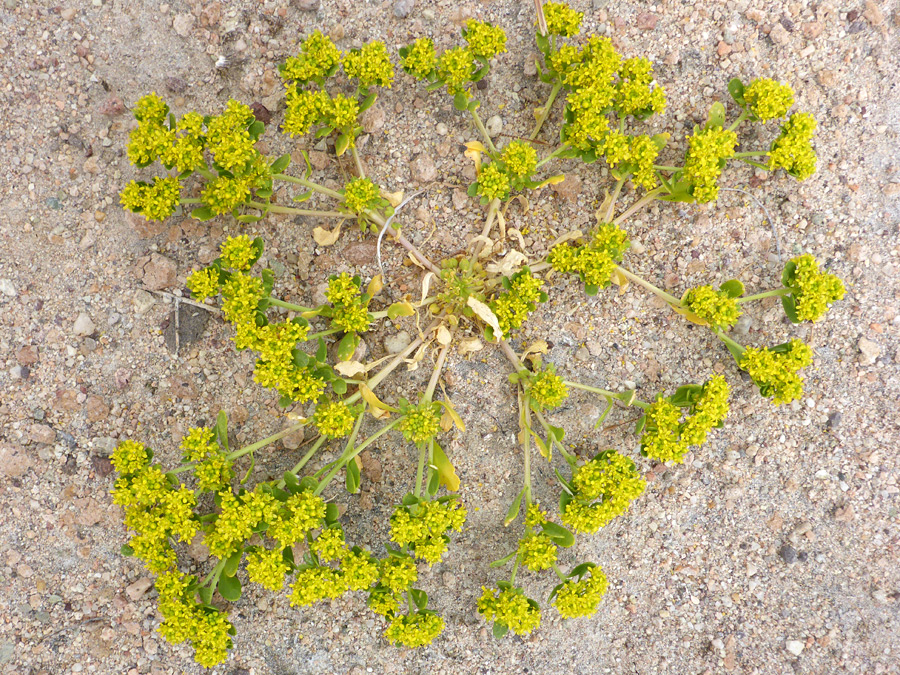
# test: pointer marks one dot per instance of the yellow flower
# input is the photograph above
(238, 253)
(420, 59)
(371, 65)
(484, 39)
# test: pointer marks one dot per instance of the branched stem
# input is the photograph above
(289, 305)
(315, 187)
(639, 204)
(420, 469)
(484, 133)
(774, 293)
(671, 299)
(353, 452)
(561, 149)
(545, 111)
(744, 115)
(274, 208)
(606, 394)
(432, 383)
(359, 167)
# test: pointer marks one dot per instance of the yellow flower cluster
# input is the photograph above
(420, 422)
(717, 308)
(204, 283)
(419, 58)
(241, 294)
(546, 388)
(768, 99)
(316, 60)
(329, 545)
(333, 419)
(371, 65)
(208, 630)
(520, 159)
(398, 573)
(349, 313)
(228, 138)
(604, 487)
(186, 151)
(238, 517)
(775, 372)
(304, 108)
(707, 151)
(360, 194)
(537, 551)
(510, 608)
(514, 306)
(360, 570)
(315, 584)
(155, 201)
(595, 261)
(792, 150)
(129, 457)
(485, 40)
(238, 253)
(423, 527)
(581, 598)
(562, 19)
(301, 513)
(414, 630)
(455, 68)
(666, 437)
(267, 568)
(813, 291)
(493, 182)
(635, 93)
(214, 474)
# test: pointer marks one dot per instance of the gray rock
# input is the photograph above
(423, 169)
(143, 301)
(307, 5)
(83, 325)
(868, 352)
(159, 273)
(394, 344)
(788, 553)
(494, 126)
(402, 8)
(136, 590)
(183, 23)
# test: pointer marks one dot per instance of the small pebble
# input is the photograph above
(788, 553)
(794, 647)
(83, 325)
(402, 8)
(494, 126)
(7, 288)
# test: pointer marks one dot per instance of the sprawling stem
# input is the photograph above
(605, 393)
(359, 167)
(561, 149)
(612, 200)
(560, 573)
(493, 207)
(525, 423)
(264, 442)
(551, 437)
(744, 115)
(405, 243)
(420, 469)
(484, 133)
(639, 204)
(545, 111)
(432, 383)
(735, 348)
(274, 208)
(213, 577)
(774, 293)
(289, 305)
(671, 299)
(348, 456)
(315, 187)
(375, 380)
(308, 456)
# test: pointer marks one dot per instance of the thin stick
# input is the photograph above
(192, 303)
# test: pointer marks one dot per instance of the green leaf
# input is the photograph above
(559, 534)
(221, 430)
(341, 144)
(513, 512)
(504, 560)
(567, 486)
(203, 213)
(332, 513)
(445, 469)
(732, 288)
(409, 499)
(420, 598)
(256, 129)
(367, 102)
(322, 351)
(556, 433)
(308, 484)
(248, 219)
(205, 593)
(230, 588)
(280, 164)
(716, 116)
(232, 563)
(789, 304)
(347, 346)
(353, 477)
(736, 89)
(500, 629)
(126, 550)
(339, 387)
(461, 101)
(434, 484)
(290, 480)
(543, 43)
(660, 141)
(474, 105)
(640, 424)
(472, 190)
(736, 351)
(787, 275)
(591, 289)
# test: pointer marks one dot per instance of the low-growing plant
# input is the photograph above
(268, 532)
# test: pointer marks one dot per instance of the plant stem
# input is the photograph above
(639, 204)
(512, 577)
(604, 393)
(667, 168)
(559, 572)
(774, 293)
(309, 184)
(214, 575)
(359, 166)
(190, 200)
(264, 442)
(308, 456)
(545, 111)
(420, 469)
(525, 423)
(484, 133)
(732, 345)
(493, 207)
(744, 115)
(274, 208)
(323, 333)
(561, 149)
(376, 379)
(672, 300)
(559, 445)
(757, 153)
(289, 305)
(351, 452)
(612, 200)
(432, 383)
(409, 246)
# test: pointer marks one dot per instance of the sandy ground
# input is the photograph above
(773, 550)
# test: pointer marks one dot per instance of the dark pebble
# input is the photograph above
(67, 438)
(856, 27)
(834, 419)
(788, 553)
(852, 15)
(261, 112)
(176, 85)
(803, 556)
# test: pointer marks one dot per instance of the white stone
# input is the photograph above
(83, 325)
(794, 647)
